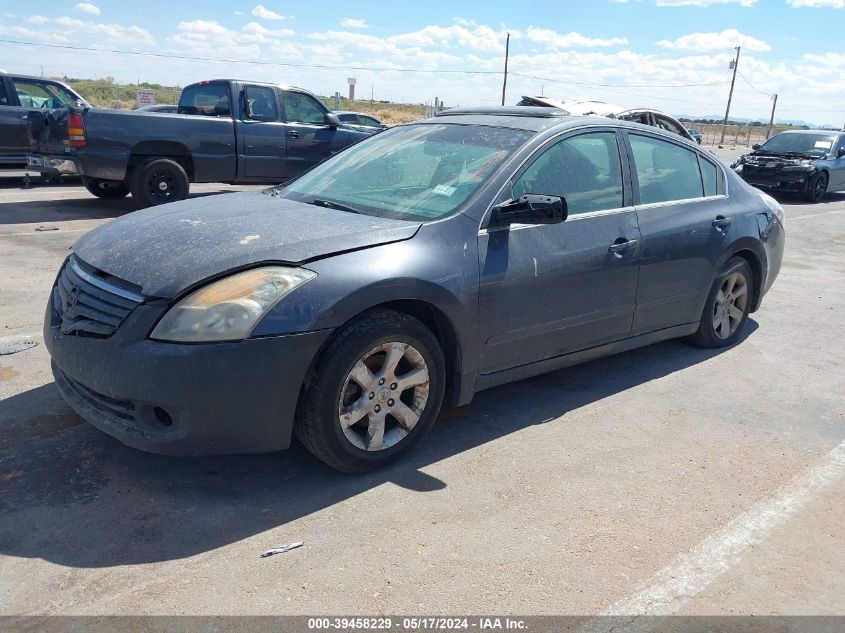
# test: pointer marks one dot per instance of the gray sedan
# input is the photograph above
(420, 266)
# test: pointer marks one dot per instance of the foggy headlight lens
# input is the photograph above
(229, 309)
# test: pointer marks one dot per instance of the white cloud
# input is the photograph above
(552, 39)
(835, 4)
(265, 14)
(716, 41)
(354, 23)
(103, 32)
(87, 7)
(703, 3)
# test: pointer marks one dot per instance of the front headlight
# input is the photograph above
(229, 309)
(799, 168)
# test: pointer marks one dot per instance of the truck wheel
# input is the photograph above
(107, 189)
(159, 181)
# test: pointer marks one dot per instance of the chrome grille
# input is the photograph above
(88, 305)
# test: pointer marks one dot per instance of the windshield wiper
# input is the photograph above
(331, 204)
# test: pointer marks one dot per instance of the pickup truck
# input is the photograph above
(225, 130)
(18, 95)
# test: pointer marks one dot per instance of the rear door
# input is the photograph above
(685, 221)
(13, 139)
(262, 135)
(310, 140)
(837, 168)
(551, 289)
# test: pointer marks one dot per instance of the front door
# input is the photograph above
(309, 137)
(548, 290)
(263, 135)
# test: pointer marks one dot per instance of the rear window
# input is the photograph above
(206, 99)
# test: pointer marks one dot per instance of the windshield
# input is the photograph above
(415, 172)
(810, 144)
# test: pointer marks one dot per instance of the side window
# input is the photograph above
(4, 99)
(584, 169)
(42, 94)
(709, 176)
(262, 103)
(669, 126)
(665, 171)
(366, 120)
(208, 99)
(303, 109)
(348, 118)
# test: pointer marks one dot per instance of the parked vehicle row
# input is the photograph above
(229, 131)
(18, 95)
(421, 265)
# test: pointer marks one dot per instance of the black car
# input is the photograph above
(422, 265)
(18, 95)
(807, 162)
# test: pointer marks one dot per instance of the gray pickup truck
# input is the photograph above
(224, 131)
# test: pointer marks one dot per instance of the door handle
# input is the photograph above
(293, 134)
(721, 222)
(620, 247)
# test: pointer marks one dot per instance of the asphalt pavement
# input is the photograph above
(668, 479)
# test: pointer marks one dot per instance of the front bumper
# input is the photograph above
(181, 399)
(54, 165)
(785, 182)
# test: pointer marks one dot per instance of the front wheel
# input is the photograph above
(106, 189)
(376, 391)
(159, 181)
(727, 307)
(817, 188)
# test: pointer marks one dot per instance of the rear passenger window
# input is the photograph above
(4, 100)
(665, 171)
(709, 176)
(584, 169)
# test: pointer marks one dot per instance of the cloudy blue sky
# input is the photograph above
(669, 54)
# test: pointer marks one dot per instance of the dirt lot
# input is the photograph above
(668, 479)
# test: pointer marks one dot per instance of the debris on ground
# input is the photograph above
(46, 227)
(14, 348)
(281, 549)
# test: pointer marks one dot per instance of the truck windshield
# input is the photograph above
(414, 172)
(209, 99)
(811, 144)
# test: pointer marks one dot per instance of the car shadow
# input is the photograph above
(74, 496)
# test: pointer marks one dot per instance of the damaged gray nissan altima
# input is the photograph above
(419, 266)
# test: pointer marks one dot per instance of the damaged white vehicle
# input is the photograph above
(646, 116)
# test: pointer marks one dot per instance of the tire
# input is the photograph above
(709, 335)
(818, 187)
(159, 181)
(106, 189)
(324, 424)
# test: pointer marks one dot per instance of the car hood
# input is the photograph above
(166, 250)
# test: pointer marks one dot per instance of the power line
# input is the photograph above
(768, 94)
(339, 67)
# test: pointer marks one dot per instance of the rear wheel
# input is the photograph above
(107, 189)
(818, 187)
(159, 181)
(728, 305)
(376, 391)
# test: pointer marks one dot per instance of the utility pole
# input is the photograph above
(505, 82)
(772, 119)
(730, 96)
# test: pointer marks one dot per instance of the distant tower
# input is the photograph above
(352, 81)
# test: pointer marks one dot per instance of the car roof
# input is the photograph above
(253, 83)
(538, 119)
(810, 132)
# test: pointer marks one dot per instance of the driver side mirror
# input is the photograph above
(332, 119)
(531, 208)
(756, 146)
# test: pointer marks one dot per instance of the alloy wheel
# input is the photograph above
(383, 396)
(731, 302)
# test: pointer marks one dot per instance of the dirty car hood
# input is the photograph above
(170, 248)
